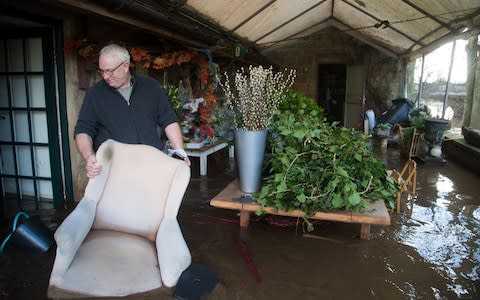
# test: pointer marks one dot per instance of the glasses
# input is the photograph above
(110, 72)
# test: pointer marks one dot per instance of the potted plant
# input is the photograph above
(432, 129)
(417, 116)
(383, 129)
(253, 98)
(416, 123)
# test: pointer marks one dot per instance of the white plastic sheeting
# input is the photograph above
(399, 27)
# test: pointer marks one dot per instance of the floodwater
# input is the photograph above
(430, 251)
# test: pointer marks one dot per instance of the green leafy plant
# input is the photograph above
(293, 100)
(416, 120)
(222, 122)
(406, 134)
(385, 126)
(173, 97)
(317, 166)
(383, 129)
(417, 116)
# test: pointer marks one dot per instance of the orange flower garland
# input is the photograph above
(210, 102)
(204, 71)
(140, 55)
(163, 61)
(209, 97)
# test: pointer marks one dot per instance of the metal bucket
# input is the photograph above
(32, 235)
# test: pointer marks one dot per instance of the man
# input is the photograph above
(125, 108)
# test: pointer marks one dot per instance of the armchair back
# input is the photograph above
(138, 188)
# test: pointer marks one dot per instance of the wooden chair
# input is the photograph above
(405, 178)
(415, 147)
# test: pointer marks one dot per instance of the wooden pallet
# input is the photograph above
(376, 214)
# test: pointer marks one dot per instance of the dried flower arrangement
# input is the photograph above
(256, 95)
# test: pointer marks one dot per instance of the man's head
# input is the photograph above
(113, 65)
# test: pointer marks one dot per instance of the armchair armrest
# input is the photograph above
(73, 230)
(173, 254)
(70, 235)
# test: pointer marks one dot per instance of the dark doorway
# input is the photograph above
(331, 90)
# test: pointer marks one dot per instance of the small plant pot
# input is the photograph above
(383, 132)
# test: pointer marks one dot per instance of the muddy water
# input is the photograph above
(431, 250)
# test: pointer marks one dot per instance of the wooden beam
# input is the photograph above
(102, 11)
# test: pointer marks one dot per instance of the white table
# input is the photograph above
(203, 153)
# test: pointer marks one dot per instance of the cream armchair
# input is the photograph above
(123, 237)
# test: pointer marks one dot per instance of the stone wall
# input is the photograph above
(384, 74)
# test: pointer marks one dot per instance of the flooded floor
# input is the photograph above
(430, 251)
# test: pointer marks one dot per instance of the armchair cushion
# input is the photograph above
(123, 253)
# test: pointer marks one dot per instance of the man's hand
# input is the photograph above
(180, 154)
(174, 135)
(85, 147)
(92, 167)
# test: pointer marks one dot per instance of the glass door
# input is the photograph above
(29, 149)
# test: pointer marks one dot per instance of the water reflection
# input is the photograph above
(445, 234)
(444, 187)
(476, 214)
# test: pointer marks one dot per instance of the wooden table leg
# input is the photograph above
(365, 231)
(244, 218)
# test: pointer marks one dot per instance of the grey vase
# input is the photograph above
(249, 153)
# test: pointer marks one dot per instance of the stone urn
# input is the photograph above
(434, 130)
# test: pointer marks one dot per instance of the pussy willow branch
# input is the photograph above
(256, 95)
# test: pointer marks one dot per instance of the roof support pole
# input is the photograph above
(420, 83)
(445, 99)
